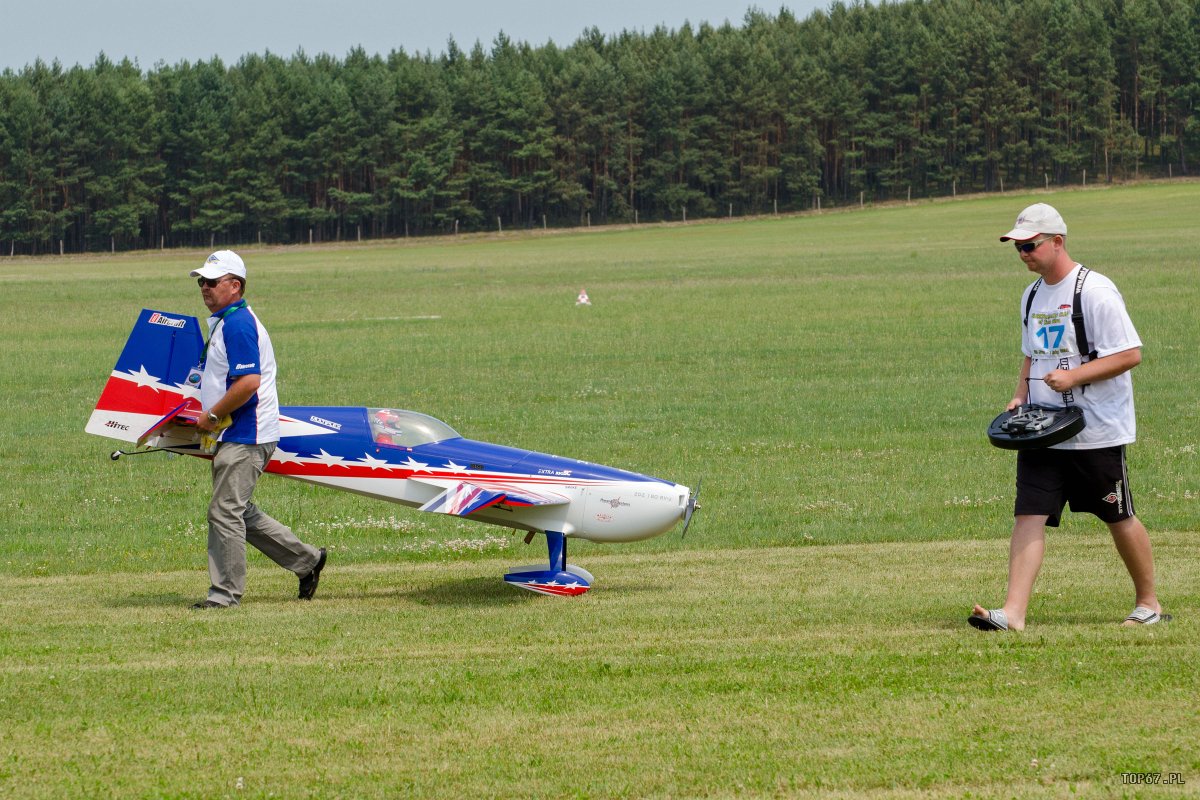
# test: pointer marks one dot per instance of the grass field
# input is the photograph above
(829, 376)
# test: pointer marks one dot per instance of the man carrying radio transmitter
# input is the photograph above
(1081, 359)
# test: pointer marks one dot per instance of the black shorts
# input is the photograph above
(1092, 481)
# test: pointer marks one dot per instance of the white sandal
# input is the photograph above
(1147, 616)
(996, 620)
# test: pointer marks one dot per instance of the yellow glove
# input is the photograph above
(208, 441)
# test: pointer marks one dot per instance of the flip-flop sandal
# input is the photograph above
(1146, 616)
(996, 620)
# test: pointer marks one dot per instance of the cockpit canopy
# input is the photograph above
(401, 428)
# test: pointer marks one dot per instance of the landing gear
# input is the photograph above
(557, 577)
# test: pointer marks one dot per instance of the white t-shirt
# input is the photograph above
(1049, 340)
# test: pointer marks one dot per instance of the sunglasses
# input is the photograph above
(209, 282)
(1029, 247)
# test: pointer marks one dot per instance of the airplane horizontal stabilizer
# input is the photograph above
(186, 413)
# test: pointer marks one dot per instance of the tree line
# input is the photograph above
(875, 102)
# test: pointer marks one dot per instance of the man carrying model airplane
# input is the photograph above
(236, 375)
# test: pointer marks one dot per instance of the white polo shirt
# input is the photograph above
(239, 345)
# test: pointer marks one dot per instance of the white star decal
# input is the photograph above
(415, 465)
(329, 460)
(143, 378)
(284, 457)
(374, 463)
(450, 465)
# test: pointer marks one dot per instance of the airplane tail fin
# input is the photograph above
(150, 378)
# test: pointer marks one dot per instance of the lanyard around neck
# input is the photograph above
(220, 318)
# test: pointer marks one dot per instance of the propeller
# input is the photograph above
(693, 504)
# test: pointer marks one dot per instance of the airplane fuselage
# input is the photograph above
(346, 448)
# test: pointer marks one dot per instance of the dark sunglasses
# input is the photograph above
(1029, 247)
(209, 282)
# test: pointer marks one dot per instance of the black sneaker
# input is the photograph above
(206, 604)
(308, 584)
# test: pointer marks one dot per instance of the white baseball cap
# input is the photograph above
(1038, 218)
(222, 262)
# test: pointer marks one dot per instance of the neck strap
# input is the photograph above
(220, 318)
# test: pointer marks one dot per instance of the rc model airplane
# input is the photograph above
(396, 455)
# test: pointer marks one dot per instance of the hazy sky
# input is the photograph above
(170, 31)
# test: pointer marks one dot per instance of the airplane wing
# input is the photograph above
(465, 498)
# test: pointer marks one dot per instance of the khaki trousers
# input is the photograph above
(233, 520)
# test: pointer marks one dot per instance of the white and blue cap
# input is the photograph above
(1038, 218)
(221, 263)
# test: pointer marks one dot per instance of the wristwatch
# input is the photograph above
(213, 418)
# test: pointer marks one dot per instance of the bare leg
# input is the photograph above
(1025, 553)
(1133, 544)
